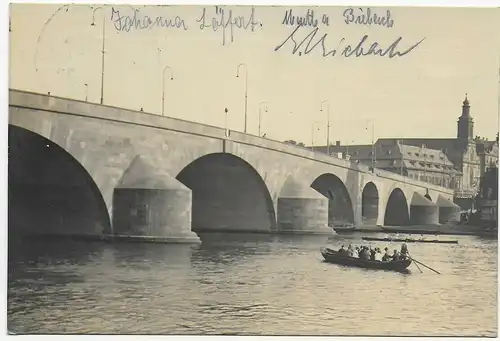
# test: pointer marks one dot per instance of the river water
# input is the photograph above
(248, 284)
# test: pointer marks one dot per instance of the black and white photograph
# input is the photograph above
(253, 169)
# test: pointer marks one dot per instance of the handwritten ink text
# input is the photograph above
(307, 20)
(136, 22)
(363, 48)
(367, 18)
(227, 22)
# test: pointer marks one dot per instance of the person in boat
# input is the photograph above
(386, 257)
(378, 255)
(342, 250)
(356, 252)
(373, 252)
(350, 250)
(365, 254)
(395, 255)
(404, 252)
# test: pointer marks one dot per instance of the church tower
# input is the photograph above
(465, 131)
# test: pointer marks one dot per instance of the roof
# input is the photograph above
(444, 144)
(390, 152)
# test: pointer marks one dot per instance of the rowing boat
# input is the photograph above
(410, 240)
(344, 228)
(335, 257)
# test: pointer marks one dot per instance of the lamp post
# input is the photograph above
(373, 143)
(498, 95)
(163, 87)
(260, 113)
(225, 118)
(312, 134)
(103, 47)
(327, 126)
(86, 91)
(402, 157)
(246, 89)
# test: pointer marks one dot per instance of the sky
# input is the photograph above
(56, 49)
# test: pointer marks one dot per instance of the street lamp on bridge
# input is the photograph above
(246, 90)
(327, 126)
(260, 113)
(313, 125)
(374, 157)
(103, 46)
(163, 87)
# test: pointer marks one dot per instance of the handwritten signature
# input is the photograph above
(310, 43)
(368, 18)
(127, 23)
(227, 22)
(308, 19)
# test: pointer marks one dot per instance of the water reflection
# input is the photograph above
(248, 284)
(145, 256)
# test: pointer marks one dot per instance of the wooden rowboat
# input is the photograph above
(410, 240)
(334, 257)
(344, 228)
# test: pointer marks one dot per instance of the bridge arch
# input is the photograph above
(340, 210)
(50, 191)
(228, 195)
(369, 204)
(396, 212)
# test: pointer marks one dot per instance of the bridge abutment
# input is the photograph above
(151, 205)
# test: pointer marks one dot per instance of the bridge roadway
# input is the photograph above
(79, 168)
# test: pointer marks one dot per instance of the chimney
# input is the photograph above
(337, 143)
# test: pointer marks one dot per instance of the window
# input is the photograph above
(142, 214)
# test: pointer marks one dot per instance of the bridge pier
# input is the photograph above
(423, 211)
(302, 210)
(151, 205)
(448, 211)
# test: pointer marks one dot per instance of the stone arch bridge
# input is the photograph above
(79, 168)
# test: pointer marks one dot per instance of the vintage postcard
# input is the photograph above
(226, 169)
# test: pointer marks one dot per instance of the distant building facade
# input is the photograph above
(458, 163)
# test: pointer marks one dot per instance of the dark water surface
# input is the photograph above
(248, 284)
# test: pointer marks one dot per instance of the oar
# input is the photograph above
(418, 267)
(416, 261)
